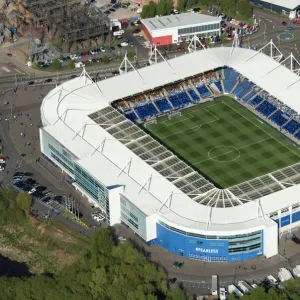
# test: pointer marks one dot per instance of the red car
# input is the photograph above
(180, 49)
(284, 23)
(107, 12)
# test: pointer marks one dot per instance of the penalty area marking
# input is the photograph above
(192, 129)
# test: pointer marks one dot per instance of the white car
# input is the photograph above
(102, 49)
(98, 216)
(124, 44)
(122, 239)
(31, 191)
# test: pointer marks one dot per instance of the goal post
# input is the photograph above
(151, 122)
(174, 115)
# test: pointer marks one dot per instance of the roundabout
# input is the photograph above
(224, 154)
(285, 36)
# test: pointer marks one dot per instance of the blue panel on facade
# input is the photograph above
(217, 250)
(285, 220)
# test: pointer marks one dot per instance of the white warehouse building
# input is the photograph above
(167, 30)
(112, 163)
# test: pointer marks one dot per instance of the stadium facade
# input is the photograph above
(122, 169)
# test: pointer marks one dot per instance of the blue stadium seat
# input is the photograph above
(145, 111)
(249, 96)
(131, 116)
(292, 126)
(163, 105)
(257, 100)
(219, 86)
(194, 96)
(266, 108)
(297, 135)
(180, 100)
(203, 91)
(243, 88)
(219, 71)
(278, 118)
(230, 79)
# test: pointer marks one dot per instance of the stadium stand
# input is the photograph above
(243, 88)
(194, 96)
(249, 96)
(146, 110)
(297, 135)
(203, 91)
(180, 99)
(266, 108)
(230, 79)
(219, 71)
(292, 126)
(131, 116)
(219, 86)
(163, 105)
(278, 118)
(256, 101)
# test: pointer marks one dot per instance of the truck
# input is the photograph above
(245, 287)
(284, 274)
(232, 289)
(214, 285)
(272, 279)
(296, 271)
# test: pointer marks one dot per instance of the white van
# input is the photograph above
(118, 33)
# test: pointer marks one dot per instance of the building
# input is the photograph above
(118, 166)
(278, 6)
(171, 29)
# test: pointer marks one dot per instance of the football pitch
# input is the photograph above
(225, 142)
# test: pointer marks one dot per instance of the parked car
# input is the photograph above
(284, 23)
(17, 178)
(124, 44)
(102, 49)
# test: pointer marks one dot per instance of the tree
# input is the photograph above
(161, 8)
(98, 283)
(145, 12)
(56, 64)
(152, 9)
(71, 64)
(181, 4)
(24, 201)
(169, 7)
(105, 59)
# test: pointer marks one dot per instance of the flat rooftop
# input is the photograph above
(180, 20)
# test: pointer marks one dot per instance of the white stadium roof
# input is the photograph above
(290, 4)
(79, 116)
(180, 20)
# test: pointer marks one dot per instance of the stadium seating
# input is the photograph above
(230, 79)
(250, 95)
(266, 108)
(291, 127)
(180, 99)
(219, 71)
(194, 96)
(145, 111)
(256, 101)
(297, 135)
(219, 86)
(203, 91)
(163, 105)
(131, 116)
(278, 118)
(243, 88)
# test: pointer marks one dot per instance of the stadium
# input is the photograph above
(198, 154)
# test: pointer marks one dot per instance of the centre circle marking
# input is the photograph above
(231, 149)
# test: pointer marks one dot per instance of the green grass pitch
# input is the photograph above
(225, 142)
